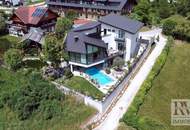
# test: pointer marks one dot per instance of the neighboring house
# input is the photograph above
(79, 22)
(33, 40)
(24, 18)
(92, 9)
(99, 42)
(11, 2)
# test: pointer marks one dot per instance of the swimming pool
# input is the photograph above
(97, 75)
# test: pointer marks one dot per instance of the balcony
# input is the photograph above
(84, 4)
(48, 24)
(119, 39)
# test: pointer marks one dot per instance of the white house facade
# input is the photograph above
(100, 42)
(120, 40)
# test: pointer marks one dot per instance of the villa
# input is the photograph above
(92, 9)
(25, 18)
(99, 42)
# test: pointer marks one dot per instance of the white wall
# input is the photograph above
(130, 40)
(110, 37)
(134, 44)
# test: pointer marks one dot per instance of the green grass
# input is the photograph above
(172, 83)
(123, 126)
(7, 41)
(82, 85)
(70, 118)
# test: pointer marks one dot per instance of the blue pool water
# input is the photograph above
(97, 75)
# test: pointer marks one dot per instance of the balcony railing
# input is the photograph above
(120, 39)
(84, 4)
(48, 24)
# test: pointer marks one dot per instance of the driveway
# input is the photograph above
(112, 120)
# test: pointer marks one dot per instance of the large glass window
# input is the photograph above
(91, 49)
(79, 58)
(120, 46)
(72, 56)
(83, 58)
(121, 34)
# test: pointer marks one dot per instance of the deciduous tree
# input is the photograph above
(12, 58)
(62, 26)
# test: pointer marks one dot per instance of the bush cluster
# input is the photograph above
(68, 74)
(178, 27)
(131, 118)
(31, 94)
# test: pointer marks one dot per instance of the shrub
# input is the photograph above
(30, 94)
(118, 62)
(12, 58)
(2, 24)
(50, 109)
(108, 71)
(131, 118)
(168, 27)
(71, 14)
(68, 74)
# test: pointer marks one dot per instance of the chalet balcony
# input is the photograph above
(84, 4)
(48, 24)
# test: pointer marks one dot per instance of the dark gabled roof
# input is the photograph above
(79, 46)
(122, 22)
(87, 26)
(119, 7)
(35, 34)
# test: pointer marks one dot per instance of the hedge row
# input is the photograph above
(131, 117)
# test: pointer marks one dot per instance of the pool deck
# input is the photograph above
(103, 88)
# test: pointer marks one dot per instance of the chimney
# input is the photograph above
(76, 38)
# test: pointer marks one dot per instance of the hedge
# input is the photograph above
(131, 117)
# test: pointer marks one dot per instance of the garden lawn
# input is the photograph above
(82, 85)
(70, 117)
(173, 82)
(6, 41)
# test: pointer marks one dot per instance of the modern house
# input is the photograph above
(92, 9)
(99, 42)
(24, 18)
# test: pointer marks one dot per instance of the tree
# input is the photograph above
(62, 26)
(164, 9)
(71, 14)
(183, 7)
(12, 58)
(2, 24)
(118, 62)
(141, 11)
(52, 50)
(168, 27)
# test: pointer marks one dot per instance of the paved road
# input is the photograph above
(112, 120)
